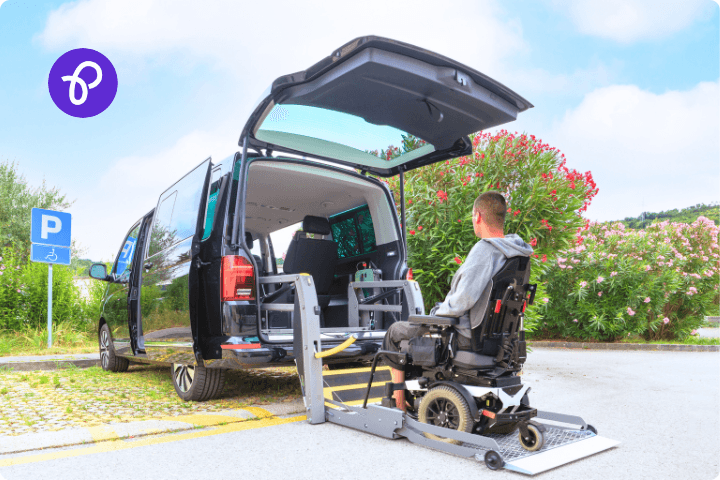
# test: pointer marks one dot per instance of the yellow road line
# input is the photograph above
(102, 433)
(258, 412)
(204, 420)
(144, 442)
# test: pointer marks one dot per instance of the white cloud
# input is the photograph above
(245, 45)
(254, 37)
(132, 186)
(627, 21)
(647, 152)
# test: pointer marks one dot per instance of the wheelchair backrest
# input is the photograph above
(510, 287)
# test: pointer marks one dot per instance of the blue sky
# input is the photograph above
(626, 89)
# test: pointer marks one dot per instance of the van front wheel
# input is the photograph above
(195, 383)
(108, 360)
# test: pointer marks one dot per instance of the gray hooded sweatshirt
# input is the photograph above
(472, 283)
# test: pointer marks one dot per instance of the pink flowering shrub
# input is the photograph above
(657, 283)
(545, 204)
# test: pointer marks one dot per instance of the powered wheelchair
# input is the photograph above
(474, 385)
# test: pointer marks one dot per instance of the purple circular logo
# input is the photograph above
(82, 82)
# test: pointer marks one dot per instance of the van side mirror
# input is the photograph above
(98, 271)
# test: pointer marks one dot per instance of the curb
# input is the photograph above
(118, 431)
(47, 365)
(661, 347)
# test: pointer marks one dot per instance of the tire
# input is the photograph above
(109, 361)
(536, 440)
(493, 460)
(197, 384)
(445, 407)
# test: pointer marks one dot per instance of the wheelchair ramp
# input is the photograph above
(349, 385)
(562, 446)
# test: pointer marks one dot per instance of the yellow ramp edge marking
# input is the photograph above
(143, 442)
(340, 388)
(354, 370)
(101, 433)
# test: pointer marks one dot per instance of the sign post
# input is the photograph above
(50, 237)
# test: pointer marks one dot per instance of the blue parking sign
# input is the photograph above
(48, 227)
(49, 254)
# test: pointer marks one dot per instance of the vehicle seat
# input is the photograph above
(316, 256)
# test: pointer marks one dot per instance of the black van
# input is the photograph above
(196, 284)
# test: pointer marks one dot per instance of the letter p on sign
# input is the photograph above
(46, 228)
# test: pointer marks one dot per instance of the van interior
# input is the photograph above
(348, 226)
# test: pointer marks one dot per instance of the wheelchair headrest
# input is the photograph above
(318, 225)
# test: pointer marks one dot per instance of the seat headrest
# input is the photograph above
(249, 239)
(317, 225)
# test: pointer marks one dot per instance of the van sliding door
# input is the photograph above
(165, 302)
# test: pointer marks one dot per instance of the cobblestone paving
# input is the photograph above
(47, 401)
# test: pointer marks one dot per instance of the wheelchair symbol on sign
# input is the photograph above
(51, 256)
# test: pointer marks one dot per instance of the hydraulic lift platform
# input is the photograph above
(332, 396)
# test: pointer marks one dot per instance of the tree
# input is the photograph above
(17, 199)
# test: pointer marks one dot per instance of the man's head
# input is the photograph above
(489, 215)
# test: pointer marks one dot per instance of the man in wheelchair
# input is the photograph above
(457, 367)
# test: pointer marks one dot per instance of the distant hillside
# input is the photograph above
(686, 215)
(81, 266)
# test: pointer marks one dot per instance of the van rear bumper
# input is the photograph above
(279, 355)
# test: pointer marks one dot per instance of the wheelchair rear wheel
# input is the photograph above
(445, 407)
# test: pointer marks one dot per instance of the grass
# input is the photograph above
(92, 396)
(67, 339)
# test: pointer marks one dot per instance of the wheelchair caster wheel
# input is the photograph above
(535, 441)
(493, 460)
(591, 428)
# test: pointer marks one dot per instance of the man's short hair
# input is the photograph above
(492, 207)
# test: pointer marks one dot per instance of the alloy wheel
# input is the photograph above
(105, 349)
(184, 376)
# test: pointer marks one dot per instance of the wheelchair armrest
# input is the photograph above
(433, 320)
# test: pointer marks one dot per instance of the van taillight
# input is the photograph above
(409, 274)
(238, 279)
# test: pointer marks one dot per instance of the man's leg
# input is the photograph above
(398, 376)
(398, 332)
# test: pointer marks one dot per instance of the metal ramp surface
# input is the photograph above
(349, 386)
(575, 444)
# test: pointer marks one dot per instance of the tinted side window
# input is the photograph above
(354, 232)
(176, 214)
(127, 253)
(212, 202)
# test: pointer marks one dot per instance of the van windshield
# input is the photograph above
(332, 134)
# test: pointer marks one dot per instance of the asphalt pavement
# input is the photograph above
(663, 406)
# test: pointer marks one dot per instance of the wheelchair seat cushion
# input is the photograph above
(472, 361)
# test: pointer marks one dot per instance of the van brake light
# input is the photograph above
(237, 278)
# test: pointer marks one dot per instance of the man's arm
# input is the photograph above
(469, 288)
